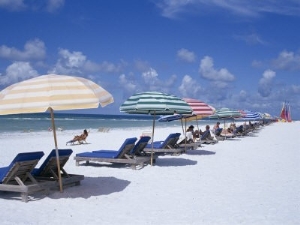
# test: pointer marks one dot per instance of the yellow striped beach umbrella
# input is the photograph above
(52, 92)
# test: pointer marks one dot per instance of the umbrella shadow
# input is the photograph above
(165, 162)
(200, 152)
(233, 139)
(92, 186)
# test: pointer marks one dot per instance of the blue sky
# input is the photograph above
(232, 53)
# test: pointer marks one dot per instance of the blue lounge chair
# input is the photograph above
(206, 138)
(123, 155)
(140, 146)
(169, 142)
(17, 176)
(136, 150)
(166, 146)
(48, 170)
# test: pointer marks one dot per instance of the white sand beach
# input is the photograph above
(247, 180)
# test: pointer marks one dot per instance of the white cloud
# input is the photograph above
(208, 71)
(186, 55)
(172, 8)
(19, 5)
(111, 67)
(189, 87)
(153, 83)
(287, 61)
(69, 62)
(33, 50)
(12, 5)
(127, 85)
(77, 63)
(265, 83)
(251, 39)
(16, 72)
(53, 5)
(150, 77)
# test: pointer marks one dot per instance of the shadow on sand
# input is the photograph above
(163, 161)
(200, 152)
(90, 186)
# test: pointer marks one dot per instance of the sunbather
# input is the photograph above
(191, 133)
(205, 135)
(217, 130)
(79, 138)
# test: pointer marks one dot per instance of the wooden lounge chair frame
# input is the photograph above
(168, 146)
(48, 170)
(19, 178)
(124, 156)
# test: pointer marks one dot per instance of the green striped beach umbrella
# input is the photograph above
(226, 113)
(155, 103)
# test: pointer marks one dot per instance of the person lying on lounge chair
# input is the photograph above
(79, 138)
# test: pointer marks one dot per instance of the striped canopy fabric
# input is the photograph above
(52, 92)
(58, 92)
(170, 118)
(226, 113)
(199, 107)
(249, 115)
(155, 103)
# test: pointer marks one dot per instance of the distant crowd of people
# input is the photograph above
(192, 135)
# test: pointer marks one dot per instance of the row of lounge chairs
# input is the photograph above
(132, 152)
(21, 175)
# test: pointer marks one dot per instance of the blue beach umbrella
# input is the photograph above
(249, 115)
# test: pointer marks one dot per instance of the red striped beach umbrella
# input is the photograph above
(199, 107)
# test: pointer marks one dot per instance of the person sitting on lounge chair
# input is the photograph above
(79, 138)
(217, 130)
(190, 132)
(205, 135)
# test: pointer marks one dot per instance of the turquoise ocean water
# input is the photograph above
(40, 122)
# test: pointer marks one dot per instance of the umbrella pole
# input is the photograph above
(56, 151)
(185, 136)
(153, 125)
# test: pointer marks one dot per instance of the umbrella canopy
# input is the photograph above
(226, 113)
(58, 92)
(155, 103)
(52, 92)
(249, 115)
(199, 107)
(199, 111)
(170, 118)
